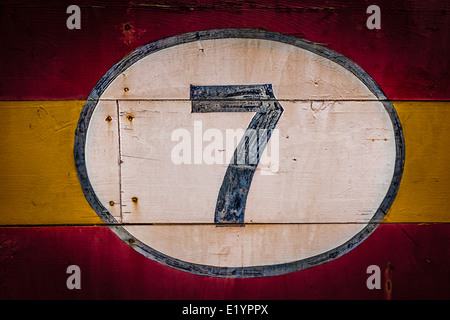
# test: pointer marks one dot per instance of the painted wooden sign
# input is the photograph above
(336, 158)
(224, 150)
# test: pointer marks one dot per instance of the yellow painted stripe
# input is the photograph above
(424, 193)
(39, 183)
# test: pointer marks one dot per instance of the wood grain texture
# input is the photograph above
(407, 56)
(165, 71)
(33, 263)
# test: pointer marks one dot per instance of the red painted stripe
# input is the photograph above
(42, 59)
(33, 262)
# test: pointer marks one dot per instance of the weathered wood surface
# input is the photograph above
(39, 181)
(352, 143)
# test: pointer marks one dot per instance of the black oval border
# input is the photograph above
(238, 272)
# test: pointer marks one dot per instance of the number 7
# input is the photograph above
(232, 198)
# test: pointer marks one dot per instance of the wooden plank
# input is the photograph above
(104, 158)
(422, 196)
(34, 262)
(39, 181)
(48, 61)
